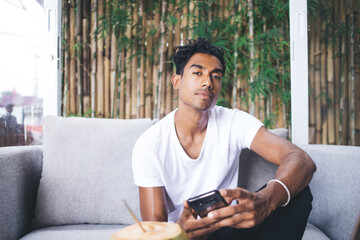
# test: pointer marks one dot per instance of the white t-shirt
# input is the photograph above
(158, 158)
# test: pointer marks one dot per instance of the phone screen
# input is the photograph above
(207, 202)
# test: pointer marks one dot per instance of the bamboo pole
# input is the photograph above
(350, 13)
(149, 75)
(122, 110)
(161, 95)
(345, 82)
(168, 63)
(66, 59)
(128, 66)
(72, 61)
(156, 61)
(100, 65)
(134, 61)
(317, 82)
(79, 82)
(330, 89)
(337, 72)
(122, 77)
(323, 85)
(113, 77)
(252, 50)
(93, 56)
(185, 21)
(191, 19)
(312, 98)
(357, 73)
(107, 63)
(244, 81)
(142, 62)
(86, 56)
(177, 39)
(235, 87)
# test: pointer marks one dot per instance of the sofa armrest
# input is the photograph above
(335, 188)
(20, 171)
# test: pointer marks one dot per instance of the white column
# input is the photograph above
(299, 72)
(52, 82)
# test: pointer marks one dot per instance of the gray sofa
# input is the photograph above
(72, 186)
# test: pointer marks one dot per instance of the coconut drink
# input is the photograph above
(151, 231)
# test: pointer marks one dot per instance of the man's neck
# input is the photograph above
(189, 121)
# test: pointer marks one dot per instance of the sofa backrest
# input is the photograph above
(87, 171)
(335, 188)
(335, 185)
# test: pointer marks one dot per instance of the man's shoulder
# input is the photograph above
(157, 132)
(220, 111)
(223, 113)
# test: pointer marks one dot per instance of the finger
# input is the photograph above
(192, 225)
(199, 233)
(241, 220)
(225, 212)
(235, 193)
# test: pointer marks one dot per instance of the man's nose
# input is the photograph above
(207, 82)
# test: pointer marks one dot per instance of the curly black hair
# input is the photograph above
(182, 54)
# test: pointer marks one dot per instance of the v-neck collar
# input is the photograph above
(181, 150)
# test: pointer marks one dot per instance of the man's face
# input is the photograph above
(200, 84)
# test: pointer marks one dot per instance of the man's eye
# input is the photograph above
(216, 77)
(197, 73)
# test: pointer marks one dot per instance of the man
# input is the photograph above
(196, 149)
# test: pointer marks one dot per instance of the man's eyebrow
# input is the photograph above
(197, 65)
(216, 70)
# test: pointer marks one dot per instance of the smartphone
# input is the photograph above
(207, 202)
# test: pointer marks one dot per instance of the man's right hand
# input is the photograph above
(195, 228)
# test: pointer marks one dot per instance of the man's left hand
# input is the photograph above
(251, 210)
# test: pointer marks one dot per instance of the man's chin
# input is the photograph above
(204, 107)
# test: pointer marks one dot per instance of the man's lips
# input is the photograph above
(205, 94)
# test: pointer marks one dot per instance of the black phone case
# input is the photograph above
(207, 202)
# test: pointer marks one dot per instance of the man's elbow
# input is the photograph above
(310, 164)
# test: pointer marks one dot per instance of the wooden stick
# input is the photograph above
(133, 216)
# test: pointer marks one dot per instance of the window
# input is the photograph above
(27, 41)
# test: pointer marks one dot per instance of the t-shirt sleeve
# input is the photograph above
(145, 166)
(245, 126)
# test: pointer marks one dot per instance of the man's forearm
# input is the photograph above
(295, 171)
(153, 204)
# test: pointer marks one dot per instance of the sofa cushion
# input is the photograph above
(74, 232)
(313, 233)
(87, 171)
(96, 232)
(254, 171)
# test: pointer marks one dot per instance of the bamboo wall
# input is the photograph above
(117, 61)
(117, 56)
(334, 72)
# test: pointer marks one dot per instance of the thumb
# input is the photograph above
(188, 211)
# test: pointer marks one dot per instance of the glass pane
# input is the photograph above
(334, 73)
(21, 60)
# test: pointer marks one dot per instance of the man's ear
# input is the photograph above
(176, 79)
